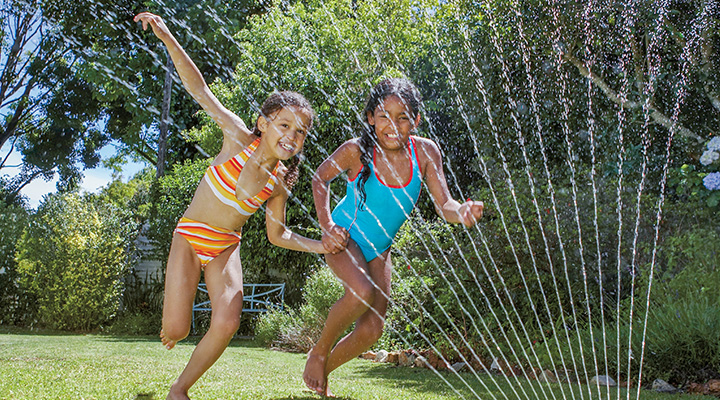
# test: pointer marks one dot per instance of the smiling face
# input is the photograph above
(393, 121)
(285, 131)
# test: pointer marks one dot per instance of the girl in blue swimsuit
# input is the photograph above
(386, 166)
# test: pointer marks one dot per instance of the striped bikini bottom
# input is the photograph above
(208, 241)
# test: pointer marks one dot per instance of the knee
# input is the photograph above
(225, 326)
(371, 329)
(363, 295)
(175, 331)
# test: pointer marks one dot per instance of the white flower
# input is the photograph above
(714, 144)
(709, 157)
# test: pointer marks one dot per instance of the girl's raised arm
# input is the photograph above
(233, 127)
(467, 213)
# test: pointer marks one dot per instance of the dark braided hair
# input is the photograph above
(276, 102)
(409, 94)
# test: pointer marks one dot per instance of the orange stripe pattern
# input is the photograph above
(222, 179)
(208, 241)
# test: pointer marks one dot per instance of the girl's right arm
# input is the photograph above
(346, 157)
(234, 129)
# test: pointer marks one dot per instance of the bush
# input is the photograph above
(297, 330)
(14, 304)
(683, 323)
(131, 324)
(72, 257)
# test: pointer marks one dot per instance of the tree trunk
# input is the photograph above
(162, 140)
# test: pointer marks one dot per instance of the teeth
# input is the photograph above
(287, 147)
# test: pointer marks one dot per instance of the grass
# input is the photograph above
(52, 365)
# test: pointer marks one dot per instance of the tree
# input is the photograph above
(72, 256)
(30, 61)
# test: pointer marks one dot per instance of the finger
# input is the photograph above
(469, 217)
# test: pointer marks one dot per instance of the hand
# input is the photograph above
(470, 212)
(157, 24)
(335, 239)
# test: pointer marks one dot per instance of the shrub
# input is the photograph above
(298, 329)
(15, 306)
(72, 258)
(683, 323)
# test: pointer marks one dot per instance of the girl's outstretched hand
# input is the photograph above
(335, 239)
(157, 24)
(470, 212)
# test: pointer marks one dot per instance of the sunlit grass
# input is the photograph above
(50, 365)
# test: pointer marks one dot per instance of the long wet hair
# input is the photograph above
(276, 102)
(409, 94)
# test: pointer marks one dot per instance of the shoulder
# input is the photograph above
(235, 143)
(427, 149)
(350, 147)
(348, 151)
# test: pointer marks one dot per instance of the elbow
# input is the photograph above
(273, 239)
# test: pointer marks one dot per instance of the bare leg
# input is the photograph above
(181, 281)
(369, 326)
(350, 267)
(223, 277)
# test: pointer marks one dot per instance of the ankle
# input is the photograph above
(313, 353)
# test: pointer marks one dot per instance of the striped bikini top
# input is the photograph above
(222, 179)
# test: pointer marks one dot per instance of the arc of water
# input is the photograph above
(649, 90)
(589, 38)
(509, 93)
(448, 317)
(460, 106)
(624, 65)
(697, 24)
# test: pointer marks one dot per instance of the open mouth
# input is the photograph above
(287, 147)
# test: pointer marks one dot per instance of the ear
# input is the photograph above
(417, 121)
(371, 118)
(262, 124)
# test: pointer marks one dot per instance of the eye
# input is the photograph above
(301, 132)
(285, 125)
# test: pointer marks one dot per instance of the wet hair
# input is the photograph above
(409, 94)
(276, 102)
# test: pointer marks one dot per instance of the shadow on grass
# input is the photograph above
(310, 397)
(426, 381)
(145, 396)
(14, 330)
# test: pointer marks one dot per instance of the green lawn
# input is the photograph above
(48, 365)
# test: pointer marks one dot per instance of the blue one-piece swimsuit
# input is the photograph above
(386, 208)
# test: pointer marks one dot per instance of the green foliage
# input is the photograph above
(683, 322)
(686, 184)
(72, 257)
(172, 195)
(13, 302)
(297, 329)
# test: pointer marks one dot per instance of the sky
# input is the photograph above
(93, 180)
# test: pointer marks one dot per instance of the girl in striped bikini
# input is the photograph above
(386, 166)
(247, 172)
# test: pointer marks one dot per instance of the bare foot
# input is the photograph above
(314, 374)
(177, 394)
(169, 344)
(328, 393)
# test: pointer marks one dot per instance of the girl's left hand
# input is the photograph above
(470, 212)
